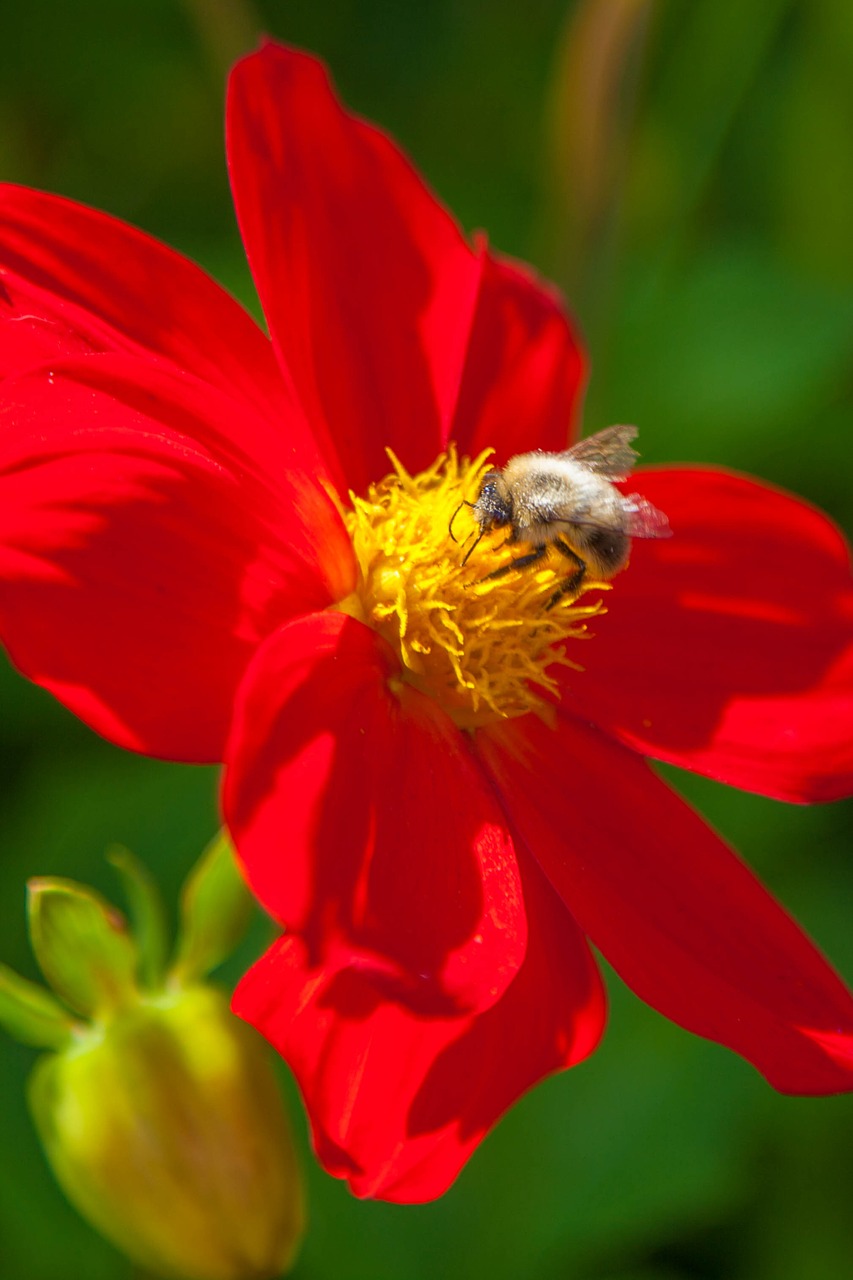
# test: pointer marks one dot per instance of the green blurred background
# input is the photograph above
(686, 172)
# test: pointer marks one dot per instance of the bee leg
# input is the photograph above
(521, 563)
(573, 582)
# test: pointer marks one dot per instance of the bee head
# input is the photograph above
(493, 507)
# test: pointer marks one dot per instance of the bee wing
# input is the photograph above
(644, 520)
(608, 452)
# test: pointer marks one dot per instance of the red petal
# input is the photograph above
(366, 282)
(73, 280)
(683, 921)
(144, 553)
(363, 822)
(525, 370)
(399, 1101)
(728, 648)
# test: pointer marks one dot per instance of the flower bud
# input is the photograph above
(166, 1130)
(158, 1108)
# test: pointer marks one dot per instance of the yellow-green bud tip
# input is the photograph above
(166, 1129)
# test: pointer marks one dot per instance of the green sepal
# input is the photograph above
(147, 914)
(216, 908)
(31, 1014)
(82, 946)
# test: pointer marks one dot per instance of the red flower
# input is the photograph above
(436, 790)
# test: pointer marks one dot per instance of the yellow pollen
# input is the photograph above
(482, 648)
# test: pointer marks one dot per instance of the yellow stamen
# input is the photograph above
(482, 648)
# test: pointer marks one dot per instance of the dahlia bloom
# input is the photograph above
(218, 546)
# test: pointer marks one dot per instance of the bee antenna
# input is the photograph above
(472, 546)
(463, 503)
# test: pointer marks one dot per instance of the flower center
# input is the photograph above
(482, 647)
